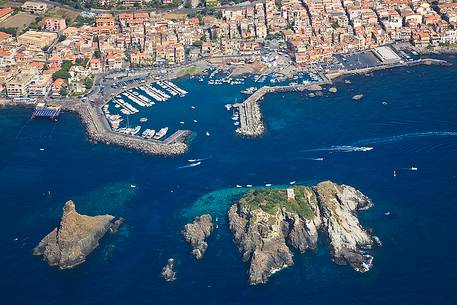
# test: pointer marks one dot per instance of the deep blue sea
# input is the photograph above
(408, 116)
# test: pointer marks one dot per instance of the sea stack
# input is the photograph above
(196, 234)
(168, 274)
(76, 237)
(268, 223)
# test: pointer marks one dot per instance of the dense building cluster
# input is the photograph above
(59, 59)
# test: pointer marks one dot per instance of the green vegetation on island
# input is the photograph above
(270, 200)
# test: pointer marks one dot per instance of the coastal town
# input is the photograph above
(71, 56)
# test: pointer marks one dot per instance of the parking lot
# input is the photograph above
(352, 61)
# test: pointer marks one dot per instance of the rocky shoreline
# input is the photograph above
(76, 237)
(268, 224)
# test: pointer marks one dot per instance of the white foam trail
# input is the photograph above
(342, 148)
(405, 136)
(191, 165)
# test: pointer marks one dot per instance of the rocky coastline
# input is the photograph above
(75, 238)
(268, 224)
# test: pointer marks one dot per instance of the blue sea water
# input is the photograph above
(307, 140)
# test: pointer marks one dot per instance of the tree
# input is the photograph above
(197, 43)
(62, 37)
(61, 74)
(88, 83)
(97, 54)
(63, 92)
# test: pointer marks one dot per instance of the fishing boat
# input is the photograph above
(268, 184)
(292, 182)
(136, 130)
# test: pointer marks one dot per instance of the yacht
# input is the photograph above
(161, 133)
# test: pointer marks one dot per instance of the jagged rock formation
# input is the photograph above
(267, 223)
(347, 237)
(76, 237)
(167, 272)
(197, 232)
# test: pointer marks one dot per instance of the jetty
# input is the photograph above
(251, 124)
(46, 111)
(250, 115)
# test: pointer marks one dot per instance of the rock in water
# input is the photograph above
(265, 221)
(348, 240)
(197, 232)
(76, 237)
(167, 272)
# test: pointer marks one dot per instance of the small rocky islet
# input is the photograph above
(268, 223)
(75, 238)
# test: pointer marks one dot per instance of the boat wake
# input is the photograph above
(340, 148)
(191, 165)
(406, 136)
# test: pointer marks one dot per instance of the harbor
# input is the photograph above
(248, 116)
(121, 110)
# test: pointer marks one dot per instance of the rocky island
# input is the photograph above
(196, 234)
(76, 237)
(168, 274)
(268, 223)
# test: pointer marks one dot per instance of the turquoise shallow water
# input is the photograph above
(359, 143)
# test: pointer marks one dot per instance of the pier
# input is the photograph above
(251, 124)
(46, 111)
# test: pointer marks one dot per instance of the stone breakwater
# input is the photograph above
(251, 124)
(267, 224)
(99, 131)
(423, 61)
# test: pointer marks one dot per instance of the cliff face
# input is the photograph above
(267, 224)
(76, 237)
(348, 239)
(197, 232)
(264, 227)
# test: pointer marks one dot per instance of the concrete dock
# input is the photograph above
(251, 124)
